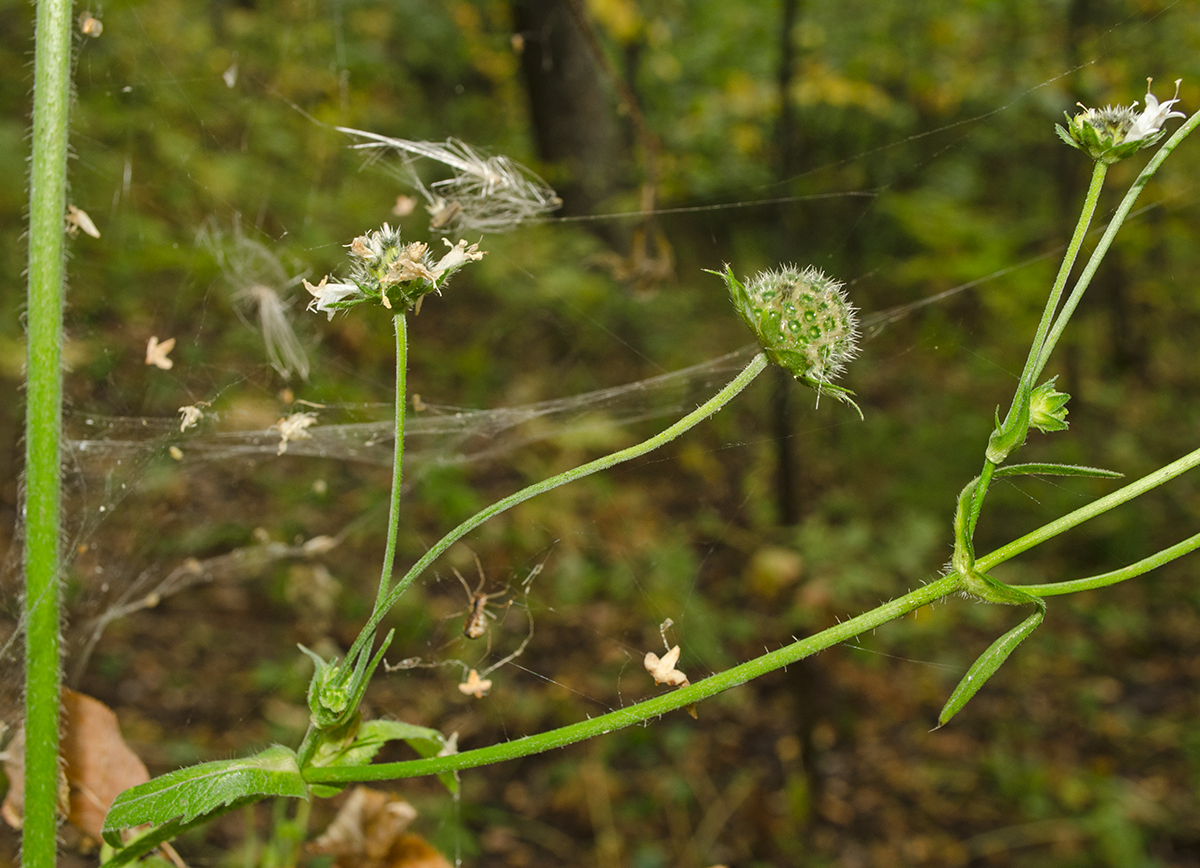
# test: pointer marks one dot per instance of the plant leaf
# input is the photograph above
(193, 792)
(989, 661)
(1057, 470)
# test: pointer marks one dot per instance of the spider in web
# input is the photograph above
(478, 614)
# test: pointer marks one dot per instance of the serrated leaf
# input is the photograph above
(987, 664)
(202, 789)
(1057, 470)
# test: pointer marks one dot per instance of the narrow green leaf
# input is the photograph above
(987, 664)
(198, 790)
(1057, 470)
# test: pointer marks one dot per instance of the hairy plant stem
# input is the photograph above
(651, 708)
(389, 555)
(43, 426)
(797, 650)
(708, 408)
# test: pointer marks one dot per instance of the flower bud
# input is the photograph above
(1048, 408)
(802, 320)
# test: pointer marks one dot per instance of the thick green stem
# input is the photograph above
(43, 424)
(708, 408)
(651, 708)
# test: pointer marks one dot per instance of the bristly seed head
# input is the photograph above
(803, 321)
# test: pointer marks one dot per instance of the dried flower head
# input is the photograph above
(1113, 133)
(391, 273)
(803, 322)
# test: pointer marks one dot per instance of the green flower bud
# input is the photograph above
(1048, 408)
(802, 320)
(1116, 132)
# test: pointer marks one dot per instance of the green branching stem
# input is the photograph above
(1106, 240)
(1088, 512)
(651, 708)
(43, 425)
(708, 408)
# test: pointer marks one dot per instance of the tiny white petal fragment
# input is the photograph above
(294, 427)
(450, 748)
(326, 294)
(77, 220)
(475, 686)
(663, 670)
(176, 453)
(460, 254)
(319, 545)
(230, 76)
(189, 416)
(156, 353)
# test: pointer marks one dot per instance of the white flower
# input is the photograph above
(325, 295)
(460, 254)
(156, 353)
(1150, 121)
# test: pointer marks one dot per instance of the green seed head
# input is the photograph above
(801, 318)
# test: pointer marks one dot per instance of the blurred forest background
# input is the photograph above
(906, 148)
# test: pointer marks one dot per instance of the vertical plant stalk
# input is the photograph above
(389, 556)
(43, 423)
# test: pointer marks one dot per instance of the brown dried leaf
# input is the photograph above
(98, 764)
(368, 832)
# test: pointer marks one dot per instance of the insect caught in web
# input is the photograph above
(478, 614)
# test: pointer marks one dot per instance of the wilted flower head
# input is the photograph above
(802, 320)
(1116, 132)
(391, 273)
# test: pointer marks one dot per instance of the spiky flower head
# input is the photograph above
(1113, 133)
(803, 322)
(388, 272)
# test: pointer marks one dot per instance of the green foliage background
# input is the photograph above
(928, 128)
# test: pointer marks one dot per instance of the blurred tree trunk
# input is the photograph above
(574, 119)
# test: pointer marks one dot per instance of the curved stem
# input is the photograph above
(43, 426)
(1145, 565)
(708, 408)
(656, 707)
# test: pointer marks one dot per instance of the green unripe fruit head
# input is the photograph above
(802, 320)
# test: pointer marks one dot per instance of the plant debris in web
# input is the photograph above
(485, 193)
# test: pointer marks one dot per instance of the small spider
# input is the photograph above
(477, 612)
